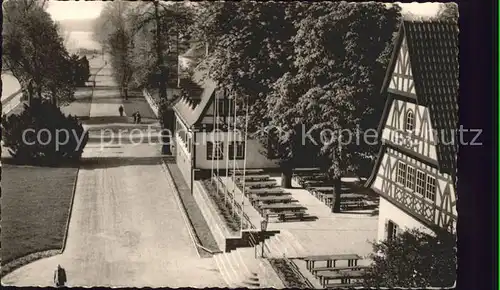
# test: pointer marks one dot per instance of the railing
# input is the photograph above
(207, 250)
(236, 204)
(297, 272)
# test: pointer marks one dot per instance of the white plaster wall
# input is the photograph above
(389, 211)
(428, 133)
(255, 158)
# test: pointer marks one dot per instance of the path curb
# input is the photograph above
(189, 226)
(70, 212)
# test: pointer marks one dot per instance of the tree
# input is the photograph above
(34, 52)
(413, 259)
(341, 54)
(248, 47)
(43, 135)
(448, 12)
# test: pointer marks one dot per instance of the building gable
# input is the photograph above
(402, 78)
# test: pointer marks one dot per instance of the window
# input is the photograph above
(420, 188)
(221, 107)
(239, 146)
(401, 173)
(214, 152)
(410, 121)
(392, 230)
(410, 177)
(240, 150)
(430, 192)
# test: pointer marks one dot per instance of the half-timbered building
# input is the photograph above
(415, 172)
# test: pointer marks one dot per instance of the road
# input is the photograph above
(126, 228)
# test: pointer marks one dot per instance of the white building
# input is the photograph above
(200, 148)
(415, 172)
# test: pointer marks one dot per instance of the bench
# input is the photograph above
(269, 191)
(247, 171)
(282, 216)
(261, 184)
(344, 277)
(253, 177)
(342, 285)
(352, 204)
(338, 269)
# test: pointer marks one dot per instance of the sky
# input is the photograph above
(61, 10)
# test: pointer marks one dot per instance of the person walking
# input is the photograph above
(120, 110)
(135, 117)
(60, 276)
(138, 118)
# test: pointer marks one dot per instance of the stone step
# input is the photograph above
(233, 274)
(219, 260)
(287, 247)
(299, 249)
(237, 266)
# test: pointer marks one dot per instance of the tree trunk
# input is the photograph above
(159, 54)
(168, 120)
(54, 98)
(286, 178)
(337, 186)
(30, 93)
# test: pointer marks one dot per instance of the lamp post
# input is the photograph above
(263, 228)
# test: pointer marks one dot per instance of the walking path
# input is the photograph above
(126, 229)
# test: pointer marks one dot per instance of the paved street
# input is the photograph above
(126, 228)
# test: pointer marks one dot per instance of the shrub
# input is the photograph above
(80, 70)
(43, 135)
(414, 259)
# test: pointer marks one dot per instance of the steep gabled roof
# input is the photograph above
(433, 50)
(190, 112)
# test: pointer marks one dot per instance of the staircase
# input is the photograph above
(282, 245)
(239, 268)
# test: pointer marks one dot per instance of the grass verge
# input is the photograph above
(35, 209)
(194, 214)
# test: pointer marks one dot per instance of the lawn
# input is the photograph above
(35, 207)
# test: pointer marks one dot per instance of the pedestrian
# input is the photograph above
(138, 118)
(120, 110)
(60, 276)
(135, 117)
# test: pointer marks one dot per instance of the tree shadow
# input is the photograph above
(90, 163)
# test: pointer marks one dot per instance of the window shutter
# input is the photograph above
(386, 229)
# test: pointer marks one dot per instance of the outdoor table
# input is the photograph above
(275, 199)
(247, 171)
(276, 207)
(253, 177)
(261, 184)
(263, 190)
(352, 260)
(265, 194)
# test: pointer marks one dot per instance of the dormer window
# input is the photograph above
(410, 121)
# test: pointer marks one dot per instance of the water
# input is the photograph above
(75, 40)
(10, 85)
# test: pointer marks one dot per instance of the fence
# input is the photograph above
(236, 206)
